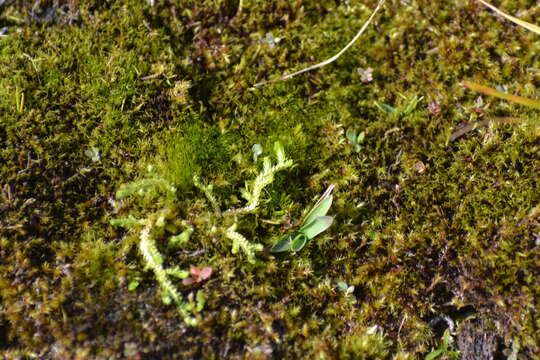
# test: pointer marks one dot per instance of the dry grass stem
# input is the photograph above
(333, 58)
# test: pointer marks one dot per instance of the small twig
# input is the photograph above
(473, 126)
(532, 27)
(153, 76)
(333, 58)
(193, 253)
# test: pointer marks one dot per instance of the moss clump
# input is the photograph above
(365, 346)
(198, 150)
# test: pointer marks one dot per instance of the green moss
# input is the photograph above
(423, 227)
(365, 346)
(198, 150)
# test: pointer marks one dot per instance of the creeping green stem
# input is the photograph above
(154, 261)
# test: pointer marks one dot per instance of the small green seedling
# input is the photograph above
(355, 139)
(443, 349)
(313, 224)
(179, 240)
(93, 154)
(403, 110)
(19, 100)
(348, 290)
(385, 107)
(201, 301)
(411, 104)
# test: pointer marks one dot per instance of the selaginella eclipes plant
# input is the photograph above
(151, 230)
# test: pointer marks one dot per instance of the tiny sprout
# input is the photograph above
(93, 154)
(355, 139)
(181, 239)
(385, 107)
(313, 224)
(270, 40)
(411, 104)
(403, 110)
(201, 300)
(348, 290)
(443, 348)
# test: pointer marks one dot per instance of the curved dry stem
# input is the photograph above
(515, 20)
(476, 125)
(333, 58)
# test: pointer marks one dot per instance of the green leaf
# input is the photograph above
(321, 207)
(316, 227)
(446, 339)
(133, 285)
(434, 354)
(299, 242)
(314, 223)
(412, 105)
(176, 272)
(385, 107)
(342, 286)
(351, 135)
(283, 245)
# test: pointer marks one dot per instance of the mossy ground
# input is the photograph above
(423, 227)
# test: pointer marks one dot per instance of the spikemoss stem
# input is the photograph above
(154, 261)
(207, 191)
(265, 178)
(240, 242)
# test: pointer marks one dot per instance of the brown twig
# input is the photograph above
(473, 126)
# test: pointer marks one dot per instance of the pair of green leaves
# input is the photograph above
(355, 139)
(313, 224)
(402, 110)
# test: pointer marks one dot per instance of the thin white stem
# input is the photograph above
(333, 58)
